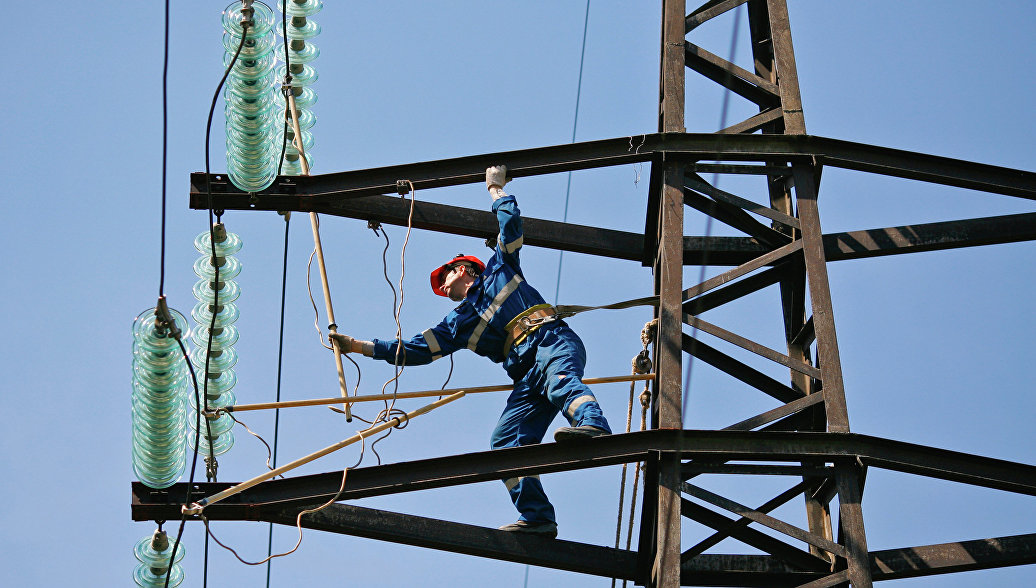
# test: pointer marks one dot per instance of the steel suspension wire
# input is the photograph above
(280, 362)
(162, 239)
(284, 272)
(165, 147)
(575, 122)
(194, 463)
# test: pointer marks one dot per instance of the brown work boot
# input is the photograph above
(545, 528)
(565, 434)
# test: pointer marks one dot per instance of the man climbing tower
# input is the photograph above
(502, 317)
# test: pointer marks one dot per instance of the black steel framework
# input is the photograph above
(807, 439)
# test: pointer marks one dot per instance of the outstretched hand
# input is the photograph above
(496, 176)
(346, 344)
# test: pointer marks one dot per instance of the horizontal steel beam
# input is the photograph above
(888, 564)
(484, 466)
(946, 558)
(730, 570)
(742, 570)
(973, 232)
(461, 538)
(718, 251)
(691, 147)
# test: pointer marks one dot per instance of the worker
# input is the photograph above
(502, 317)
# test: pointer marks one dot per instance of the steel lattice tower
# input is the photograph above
(807, 438)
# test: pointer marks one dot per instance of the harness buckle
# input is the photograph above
(529, 321)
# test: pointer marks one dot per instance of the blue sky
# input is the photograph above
(935, 346)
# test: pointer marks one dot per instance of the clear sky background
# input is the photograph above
(936, 347)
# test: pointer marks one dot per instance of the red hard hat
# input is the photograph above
(437, 273)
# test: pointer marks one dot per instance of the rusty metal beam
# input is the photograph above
(739, 370)
(781, 550)
(708, 11)
(734, 217)
(735, 290)
(754, 123)
(820, 296)
(945, 558)
(775, 414)
(1011, 228)
(667, 397)
(730, 76)
(887, 564)
(766, 507)
(764, 519)
(752, 346)
(719, 251)
(785, 447)
(302, 193)
(696, 182)
(461, 538)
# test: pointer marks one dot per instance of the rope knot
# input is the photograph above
(645, 398)
(647, 335)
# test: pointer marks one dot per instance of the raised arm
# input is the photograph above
(511, 237)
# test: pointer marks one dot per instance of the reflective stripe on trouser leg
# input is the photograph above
(524, 421)
(573, 406)
(560, 358)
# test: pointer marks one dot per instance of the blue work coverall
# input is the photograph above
(546, 366)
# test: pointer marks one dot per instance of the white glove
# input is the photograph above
(347, 344)
(496, 176)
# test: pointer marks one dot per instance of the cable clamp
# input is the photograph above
(164, 321)
(247, 14)
(211, 467)
(193, 510)
(374, 226)
(402, 187)
(286, 84)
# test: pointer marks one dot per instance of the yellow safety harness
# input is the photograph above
(526, 322)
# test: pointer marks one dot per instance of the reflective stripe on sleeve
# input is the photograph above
(490, 312)
(512, 483)
(433, 344)
(513, 245)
